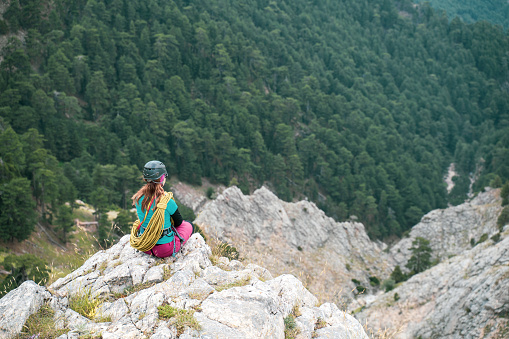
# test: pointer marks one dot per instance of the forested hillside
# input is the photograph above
(358, 105)
(494, 11)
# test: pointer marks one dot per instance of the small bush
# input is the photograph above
(180, 318)
(388, 285)
(348, 267)
(503, 218)
(356, 282)
(496, 238)
(360, 289)
(41, 325)
(291, 330)
(472, 242)
(397, 275)
(374, 281)
(210, 192)
(483, 238)
(396, 296)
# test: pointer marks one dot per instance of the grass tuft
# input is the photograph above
(238, 283)
(41, 325)
(180, 318)
(133, 289)
(291, 329)
(85, 304)
(222, 249)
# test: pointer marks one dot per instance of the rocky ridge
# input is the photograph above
(255, 308)
(295, 238)
(451, 230)
(466, 293)
(465, 296)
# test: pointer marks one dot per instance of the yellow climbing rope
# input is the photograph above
(154, 229)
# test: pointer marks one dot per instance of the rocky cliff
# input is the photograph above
(453, 230)
(234, 301)
(295, 238)
(465, 296)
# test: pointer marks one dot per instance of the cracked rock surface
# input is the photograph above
(235, 302)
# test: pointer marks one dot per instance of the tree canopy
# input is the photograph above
(360, 106)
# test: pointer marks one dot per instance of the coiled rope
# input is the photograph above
(154, 229)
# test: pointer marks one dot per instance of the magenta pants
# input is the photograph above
(165, 250)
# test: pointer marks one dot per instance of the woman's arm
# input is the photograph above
(177, 218)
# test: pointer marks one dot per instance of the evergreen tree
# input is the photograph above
(421, 256)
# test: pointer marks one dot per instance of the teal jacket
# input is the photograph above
(171, 207)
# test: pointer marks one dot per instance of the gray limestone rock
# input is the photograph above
(466, 296)
(296, 238)
(155, 274)
(251, 310)
(255, 310)
(450, 230)
(17, 305)
(291, 293)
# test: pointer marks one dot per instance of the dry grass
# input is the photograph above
(221, 249)
(291, 329)
(381, 333)
(41, 325)
(133, 289)
(199, 295)
(238, 283)
(180, 318)
(85, 304)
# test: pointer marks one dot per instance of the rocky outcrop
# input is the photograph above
(295, 238)
(30, 297)
(466, 296)
(451, 230)
(235, 301)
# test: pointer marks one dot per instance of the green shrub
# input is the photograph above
(388, 285)
(503, 218)
(374, 281)
(483, 238)
(396, 296)
(210, 192)
(397, 275)
(496, 238)
(291, 330)
(23, 267)
(360, 289)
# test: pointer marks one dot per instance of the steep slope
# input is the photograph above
(295, 238)
(466, 296)
(137, 284)
(453, 230)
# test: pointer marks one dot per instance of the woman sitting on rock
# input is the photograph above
(146, 200)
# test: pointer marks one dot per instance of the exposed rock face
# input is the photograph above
(189, 196)
(450, 230)
(30, 296)
(295, 238)
(466, 296)
(254, 309)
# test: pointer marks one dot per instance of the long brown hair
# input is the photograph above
(148, 191)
